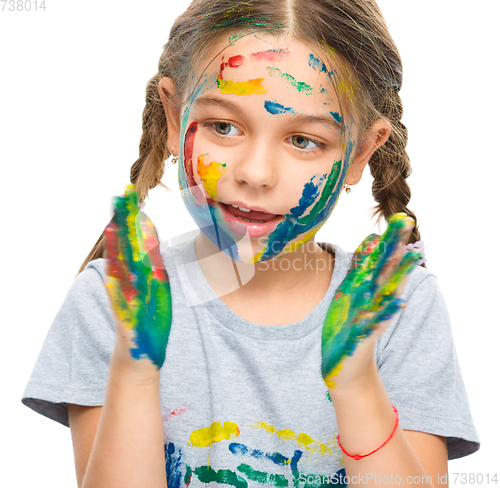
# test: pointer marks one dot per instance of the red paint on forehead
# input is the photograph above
(222, 66)
(271, 55)
(232, 62)
(235, 61)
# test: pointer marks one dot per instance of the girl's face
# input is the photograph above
(262, 162)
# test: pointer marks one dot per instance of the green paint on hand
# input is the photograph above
(364, 300)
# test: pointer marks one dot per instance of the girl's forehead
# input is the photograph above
(255, 64)
(259, 52)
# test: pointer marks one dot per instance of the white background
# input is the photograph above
(72, 93)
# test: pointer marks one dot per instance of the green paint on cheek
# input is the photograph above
(330, 184)
(299, 85)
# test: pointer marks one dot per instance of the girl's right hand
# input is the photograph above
(138, 288)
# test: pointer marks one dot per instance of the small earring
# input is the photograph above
(174, 159)
(348, 188)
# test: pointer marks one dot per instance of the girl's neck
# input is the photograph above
(302, 276)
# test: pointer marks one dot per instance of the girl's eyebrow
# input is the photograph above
(208, 101)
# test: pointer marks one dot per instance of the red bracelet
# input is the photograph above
(357, 457)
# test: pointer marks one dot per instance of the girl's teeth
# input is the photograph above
(241, 208)
(246, 220)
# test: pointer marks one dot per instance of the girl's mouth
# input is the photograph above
(253, 222)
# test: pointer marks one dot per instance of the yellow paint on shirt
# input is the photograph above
(206, 436)
(250, 87)
(210, 174)
(303, 440)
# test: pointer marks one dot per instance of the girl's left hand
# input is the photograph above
(365, 303)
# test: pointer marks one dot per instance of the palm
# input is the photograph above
(369, 294)
(138, 287)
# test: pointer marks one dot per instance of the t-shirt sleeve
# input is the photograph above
(73, 365)
(418, 365)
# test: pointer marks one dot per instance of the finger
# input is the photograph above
(114, 264)
(131, 211)
(398, 225)
(119, 304)
(364, 249)
(358, 270)
(399, 251)
(124, 246)
(151, 256)
(393, 286)
(381, 320)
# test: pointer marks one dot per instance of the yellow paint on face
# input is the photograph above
(206, 436)
(256, 258)
(210, 174)
(303, 440)
(290, 247)
(250, 87)
(294, 245)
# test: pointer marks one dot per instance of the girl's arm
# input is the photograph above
(121, 443)
(365, 420)
(364, 305)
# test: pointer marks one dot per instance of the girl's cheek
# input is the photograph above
(209, 173)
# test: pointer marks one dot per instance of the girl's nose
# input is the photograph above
(257, 167)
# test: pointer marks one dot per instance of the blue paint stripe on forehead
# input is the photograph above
(276, 108)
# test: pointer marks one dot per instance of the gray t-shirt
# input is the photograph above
(245, 404)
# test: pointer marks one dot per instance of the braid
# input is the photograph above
(390, 165)
(146, 173)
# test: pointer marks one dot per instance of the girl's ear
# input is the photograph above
(373, 138)
(167, 90)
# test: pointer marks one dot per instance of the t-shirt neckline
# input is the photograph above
(225, 316)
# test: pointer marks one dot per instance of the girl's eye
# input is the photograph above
(302, 142)
(224, 129)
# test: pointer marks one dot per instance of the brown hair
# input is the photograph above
(355, 31)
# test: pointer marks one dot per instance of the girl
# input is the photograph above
(288, 362)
